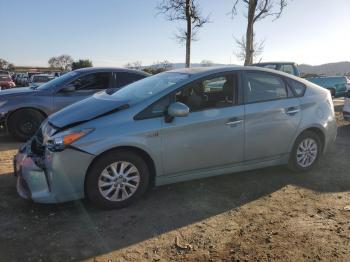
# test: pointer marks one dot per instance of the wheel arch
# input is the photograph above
(41, 111)
(317, 130)
(145, 155)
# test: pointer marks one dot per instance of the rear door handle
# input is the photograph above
(234, 121)
(292, 110)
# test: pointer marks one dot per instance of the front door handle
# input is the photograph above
(292, 110)
(234, 121)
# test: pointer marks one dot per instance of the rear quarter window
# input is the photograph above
(297, 87)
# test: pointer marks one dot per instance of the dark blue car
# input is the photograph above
(23, 109)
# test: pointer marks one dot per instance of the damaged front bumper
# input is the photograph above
(52, 177)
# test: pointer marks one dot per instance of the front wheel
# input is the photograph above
(23, 123)
(117, 179)
(306, 152)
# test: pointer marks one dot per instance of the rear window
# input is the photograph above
(297, 87)
(41, 79)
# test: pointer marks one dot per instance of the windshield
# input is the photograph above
(149, 86)
(58, 81)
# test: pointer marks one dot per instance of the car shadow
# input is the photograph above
(79, 230)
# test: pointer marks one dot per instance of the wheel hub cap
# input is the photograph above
(307, 152)
(119, 181)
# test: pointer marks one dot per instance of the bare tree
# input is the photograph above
(207, 63)
(5, 65)
(158, 67)
(137, 65)
(188, 11)
(257, 10)
(241, 44)
(63, 62)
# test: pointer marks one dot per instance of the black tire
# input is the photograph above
(293, 163)
(23, 123)
(92, 190)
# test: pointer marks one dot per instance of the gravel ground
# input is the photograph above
(263, 215)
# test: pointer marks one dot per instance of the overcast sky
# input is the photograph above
(114, 32)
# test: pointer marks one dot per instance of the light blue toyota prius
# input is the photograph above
(175, 126)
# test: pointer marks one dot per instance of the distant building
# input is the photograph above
(22, 69)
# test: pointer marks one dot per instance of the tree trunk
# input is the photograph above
(249, 49)
(188, 34)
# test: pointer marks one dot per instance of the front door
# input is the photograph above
(212, 135)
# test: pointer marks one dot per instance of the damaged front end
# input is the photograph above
(50, 173)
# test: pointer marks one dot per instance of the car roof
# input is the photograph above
(199, 71)
(114, 69)
(274, 63)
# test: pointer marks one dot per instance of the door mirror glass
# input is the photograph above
(178, 109)
(68, 88)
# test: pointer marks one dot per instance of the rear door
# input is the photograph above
(85, 86)
(272, 115)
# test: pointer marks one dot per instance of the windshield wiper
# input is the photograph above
(111, 91)
(33, 87)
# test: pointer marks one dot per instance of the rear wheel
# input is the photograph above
(306, 152)
(117, 179)
(23, 123)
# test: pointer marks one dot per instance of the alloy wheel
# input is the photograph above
(307, 152)
(119, 181)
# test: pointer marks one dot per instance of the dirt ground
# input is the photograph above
(263, 215)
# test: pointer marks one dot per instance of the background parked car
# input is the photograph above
(39, 79)
(337, 85)
(287, 67)
(6, 81)
(23, 109)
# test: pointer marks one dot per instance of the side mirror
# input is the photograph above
(68, 88)
(176, 109)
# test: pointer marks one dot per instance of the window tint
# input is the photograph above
(287, 69)
(297, 87)
(124, 78)
(264, 87)
(209, 93)
(157, 109)
(200, 95)
(270, 66)
(92, 81)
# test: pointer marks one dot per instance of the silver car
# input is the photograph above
(175, 126)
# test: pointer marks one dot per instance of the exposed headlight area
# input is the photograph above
(61, 140)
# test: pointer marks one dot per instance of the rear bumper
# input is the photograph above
(57, 177)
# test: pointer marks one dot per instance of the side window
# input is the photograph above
(124, 78)
(157, 109)
(209, 93)
(93, 81)
(264, 87)
(270, 66)
(287, 69)
(297, 87)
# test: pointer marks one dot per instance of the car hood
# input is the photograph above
(16, 91)
(84, 111)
